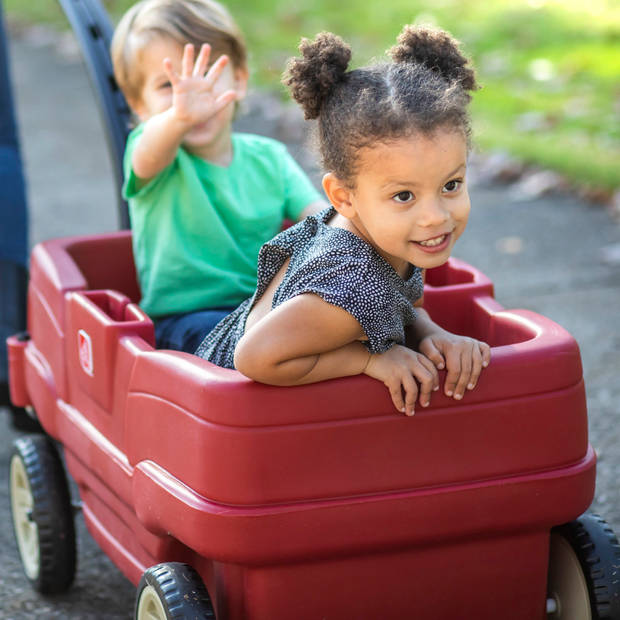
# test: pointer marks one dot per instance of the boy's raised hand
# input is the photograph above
(195, 98)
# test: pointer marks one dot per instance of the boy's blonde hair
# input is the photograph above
(184, 21)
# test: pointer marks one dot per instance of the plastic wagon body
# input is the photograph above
(316, 501)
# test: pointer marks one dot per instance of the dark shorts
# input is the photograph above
(184, 332)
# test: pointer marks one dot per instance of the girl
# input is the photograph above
(336, 293)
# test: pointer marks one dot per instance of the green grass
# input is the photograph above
(556, 61)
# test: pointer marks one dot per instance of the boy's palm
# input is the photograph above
(194, 99)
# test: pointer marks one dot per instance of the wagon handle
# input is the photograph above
(94, 31)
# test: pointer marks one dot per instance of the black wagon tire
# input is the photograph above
(172, 591)
(22, 421)
(42, 514)
(584, 570)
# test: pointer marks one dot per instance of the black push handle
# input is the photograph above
(93, 29)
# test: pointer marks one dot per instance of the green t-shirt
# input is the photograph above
(197, 227)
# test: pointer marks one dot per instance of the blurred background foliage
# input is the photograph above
(550, 69)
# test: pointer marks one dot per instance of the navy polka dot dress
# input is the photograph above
(339, 267)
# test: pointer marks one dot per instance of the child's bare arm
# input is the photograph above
(193, 101)
(289, 345)
(306, 340)
(158, 144)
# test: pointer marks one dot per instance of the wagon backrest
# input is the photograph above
(106, 262)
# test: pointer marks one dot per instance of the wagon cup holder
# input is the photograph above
(97, 322)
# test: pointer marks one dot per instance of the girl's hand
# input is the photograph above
(398, 368)
(464, 358)
(195, 96)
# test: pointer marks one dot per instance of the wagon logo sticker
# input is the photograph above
(85, 352)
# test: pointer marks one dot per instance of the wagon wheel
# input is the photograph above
(584, 571)
(24, 421)
(172, 591)
(42, 514)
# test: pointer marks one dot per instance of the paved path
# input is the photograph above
(544, 255)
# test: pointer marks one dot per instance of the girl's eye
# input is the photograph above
(165, 85)
(403, 197)
(453, 186)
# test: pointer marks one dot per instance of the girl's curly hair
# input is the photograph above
(425, 87)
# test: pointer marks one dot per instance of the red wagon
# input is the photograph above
(316, 501)
(221, 497)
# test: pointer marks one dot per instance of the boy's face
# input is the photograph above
(156, 95)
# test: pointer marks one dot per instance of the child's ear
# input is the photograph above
(241, 82)
(137, 107)
(338, 194)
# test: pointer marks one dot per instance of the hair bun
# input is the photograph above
(437, 50)
(311, 78)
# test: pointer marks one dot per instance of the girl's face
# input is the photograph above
(410, 201)
(156, 95)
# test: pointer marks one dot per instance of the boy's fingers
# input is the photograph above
(215, 71)
(202, 62)
(223, 100)
(173, 76)
(188, 60)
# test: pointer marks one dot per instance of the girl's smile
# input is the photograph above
(410, 200)
(436, 244)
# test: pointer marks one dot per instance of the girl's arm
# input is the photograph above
(303, 340)
(306, 340)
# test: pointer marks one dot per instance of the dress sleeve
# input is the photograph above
(299, 191)
(351, 283)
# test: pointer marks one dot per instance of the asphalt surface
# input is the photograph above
(545, 254)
